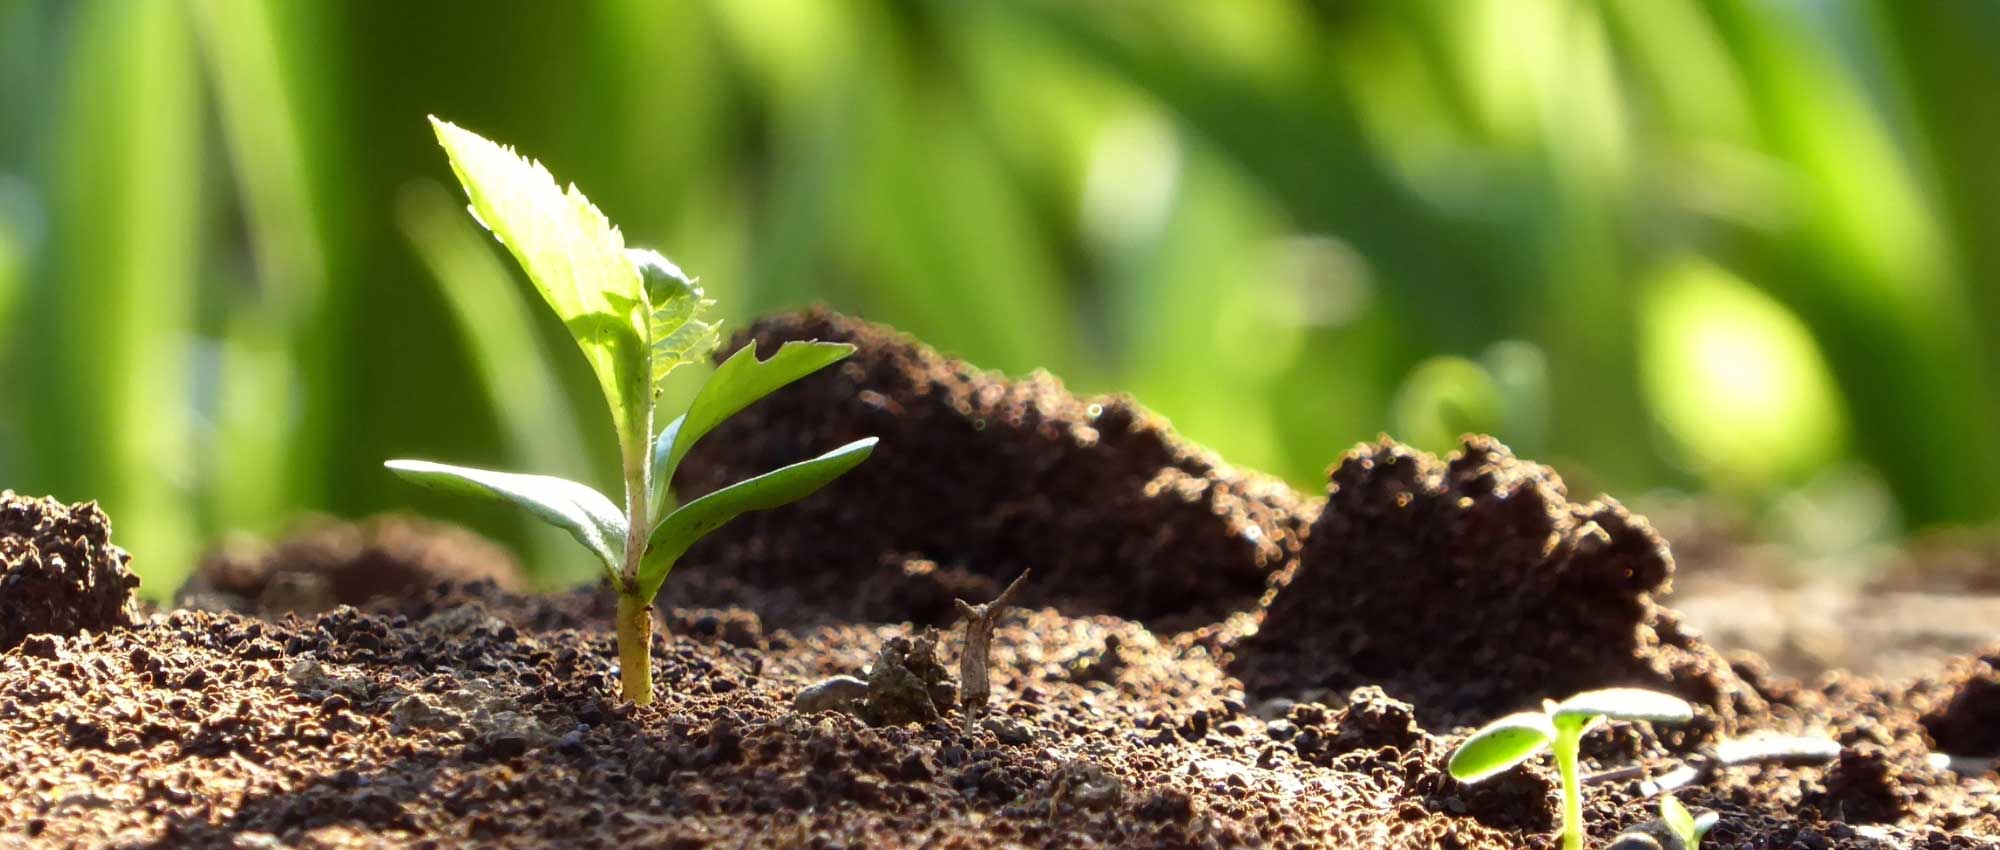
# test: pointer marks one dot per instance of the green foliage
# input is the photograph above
(637, 317)
(680, 332)
(1622, 704)
(1500, 745)
(672, 537)
(1684, 824)
(740, 380)
(586, 514)
(1560, 726)
(577, 260)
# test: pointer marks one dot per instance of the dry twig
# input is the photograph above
(975, 684)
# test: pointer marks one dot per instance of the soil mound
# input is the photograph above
(327, 563)
(1474, 587)
(1961, 708)
(59, 573)
(977, 478)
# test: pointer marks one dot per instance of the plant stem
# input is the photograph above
(635, 613)
(1566, 744)
(635, 648)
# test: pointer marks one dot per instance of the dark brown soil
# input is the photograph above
(1475, 587)
(59, 573)
(976, 479)
(326, 563)
(1277, 675)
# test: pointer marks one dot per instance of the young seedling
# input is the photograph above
(636, 317)
(1675, 829)
(1560, 726)
(1686, 825)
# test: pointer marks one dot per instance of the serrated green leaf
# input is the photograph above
(586, 514)
(575, 258)
(738, 382)
(678, 326)
(1500, 745)
(1624, 704)
(672, 537)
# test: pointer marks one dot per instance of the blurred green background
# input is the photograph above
(1746, 250)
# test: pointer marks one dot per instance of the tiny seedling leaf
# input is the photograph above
(1702, 824)
(672, 537)
(585, 513)
(1500, 745)
(680, 331)
(575, 258)
(1623, 704)
(1677, 818)
(739, 381)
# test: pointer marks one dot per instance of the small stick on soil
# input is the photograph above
(972, 662)
(1790, 751)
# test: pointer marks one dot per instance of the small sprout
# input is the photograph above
(637, 317)
(1685, 825)
(1518, 737)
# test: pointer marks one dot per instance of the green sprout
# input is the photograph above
(1560, 726)
(1684, 824)
(636, 317)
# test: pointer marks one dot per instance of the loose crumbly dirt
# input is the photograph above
(1299, 686)
(976, 479)
(59, 573)
(326, 563)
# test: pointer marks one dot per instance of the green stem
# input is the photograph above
(1568, 738)
(635, 648)
(635, 610)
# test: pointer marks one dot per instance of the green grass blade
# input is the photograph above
(586, 514)
(672, 537)
(1500, 745)
(736, 384)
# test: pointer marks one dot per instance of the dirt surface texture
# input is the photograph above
(1199, 659)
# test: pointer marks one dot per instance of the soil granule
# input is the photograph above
(1306, 701)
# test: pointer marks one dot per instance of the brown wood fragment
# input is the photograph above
(976, 687)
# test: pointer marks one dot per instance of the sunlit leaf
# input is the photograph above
(739, 381)
(1677, 818)
(678, 325)
(1624, 704)
(577, 261)
(672, 537)
(1501, 744)
(586, 514)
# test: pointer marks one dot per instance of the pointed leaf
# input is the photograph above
(1678, 819)
(672, 537)
(681, 333)
(586, 514)
(1500, 745)
(1624, 704)
(575, 258)
(739, 381)
(1702, 824)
